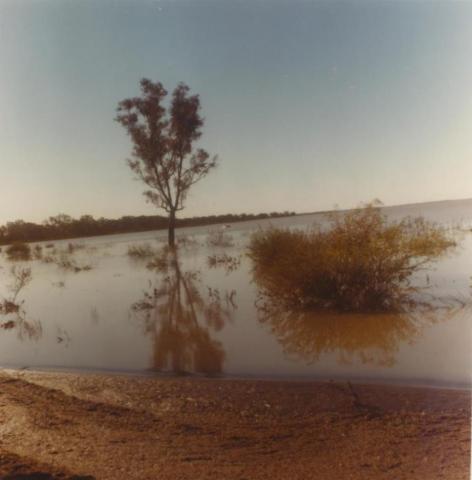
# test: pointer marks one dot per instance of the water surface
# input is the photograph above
(192, 319)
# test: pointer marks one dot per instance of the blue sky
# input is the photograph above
(307, 104)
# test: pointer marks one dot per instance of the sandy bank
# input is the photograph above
(122, 427)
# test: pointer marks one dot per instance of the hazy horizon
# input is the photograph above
(309, 105)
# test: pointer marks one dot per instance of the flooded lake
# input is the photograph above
(201, 315)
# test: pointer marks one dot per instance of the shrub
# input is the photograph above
(141, 251)
(18, 251)
(362, 262)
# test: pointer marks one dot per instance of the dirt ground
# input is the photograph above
(91, 426)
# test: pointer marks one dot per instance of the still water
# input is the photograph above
(195, 318)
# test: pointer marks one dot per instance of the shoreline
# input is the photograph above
(379, 381)
(107, 426)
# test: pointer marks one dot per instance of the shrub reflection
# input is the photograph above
(371, 338)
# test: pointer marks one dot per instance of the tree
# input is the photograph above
(164, 153)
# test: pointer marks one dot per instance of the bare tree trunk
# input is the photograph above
(171, 233)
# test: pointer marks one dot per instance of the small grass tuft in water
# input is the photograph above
(161, 260)
(72, 247)
(66, 263)
(186, 241)
(228, 262)
(38, 252)
(20, 278)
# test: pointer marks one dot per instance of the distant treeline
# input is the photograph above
(63, 226)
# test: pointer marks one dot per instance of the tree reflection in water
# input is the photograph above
(180, 320)
(371, 338)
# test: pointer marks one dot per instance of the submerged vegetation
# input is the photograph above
(187, 241)
(228, 262)
(38, 252)
(143, 250)
(11, 306)
(72, 247)
(66, 263)
(157, 258)
(360, 262)
(18, 251)
(160, 261)
(22, 251)
(219, 238)
(20, 278)
(62, 258)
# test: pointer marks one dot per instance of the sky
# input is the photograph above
(308, 105)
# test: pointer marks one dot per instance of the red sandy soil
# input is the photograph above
(84, 426)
